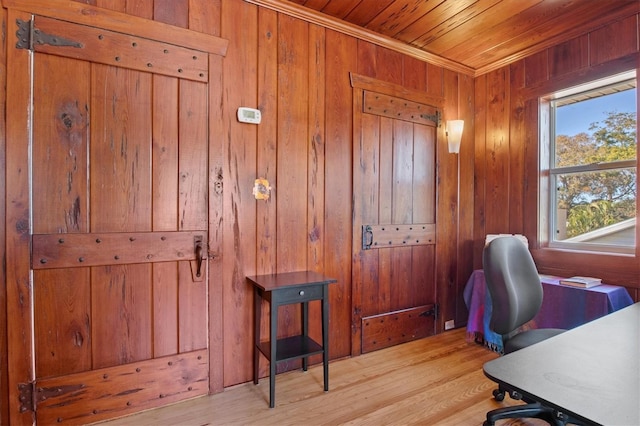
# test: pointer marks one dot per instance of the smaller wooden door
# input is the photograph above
(394, 240)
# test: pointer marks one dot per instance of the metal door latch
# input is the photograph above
(200, 256)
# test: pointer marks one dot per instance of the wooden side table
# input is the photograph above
(285, 289)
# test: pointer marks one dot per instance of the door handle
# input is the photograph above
(200, 257)
(367, 237)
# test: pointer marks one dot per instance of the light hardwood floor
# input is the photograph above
(433, 381)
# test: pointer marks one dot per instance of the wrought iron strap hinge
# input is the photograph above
(433, 117)
(26, 395)
(433, 311)
(30, 395)
(29, 36)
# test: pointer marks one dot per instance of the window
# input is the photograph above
(592, 179)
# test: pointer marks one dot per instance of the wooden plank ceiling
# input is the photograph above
(472, 36)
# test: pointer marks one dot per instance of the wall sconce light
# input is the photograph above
(454, 135)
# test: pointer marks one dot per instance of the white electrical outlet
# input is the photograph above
(449, 325)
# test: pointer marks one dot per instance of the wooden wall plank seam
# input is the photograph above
(4, 385)
(20, 360)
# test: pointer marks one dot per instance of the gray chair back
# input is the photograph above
(513, 284)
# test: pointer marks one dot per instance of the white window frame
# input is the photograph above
(548, 208)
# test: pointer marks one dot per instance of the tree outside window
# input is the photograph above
(593, 172)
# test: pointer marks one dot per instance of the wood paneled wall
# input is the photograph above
(4, 391)
(506, 144)
(297, 74)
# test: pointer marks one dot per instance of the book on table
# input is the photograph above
(583, 282)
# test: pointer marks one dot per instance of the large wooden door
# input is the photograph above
(108, 205)
(394, 238)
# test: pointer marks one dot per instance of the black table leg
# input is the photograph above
(257, 308)
(273, 337)
(305, 331)
(325, 335)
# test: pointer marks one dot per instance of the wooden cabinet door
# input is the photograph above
(394, 241)
(107, 170)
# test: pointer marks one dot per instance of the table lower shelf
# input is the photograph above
(292, 348)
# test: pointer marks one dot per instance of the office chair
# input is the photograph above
(516, 295)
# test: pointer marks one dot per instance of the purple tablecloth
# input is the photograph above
(562, 307)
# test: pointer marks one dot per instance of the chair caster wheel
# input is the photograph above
(498, 395)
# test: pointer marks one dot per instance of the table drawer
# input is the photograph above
(298, 294)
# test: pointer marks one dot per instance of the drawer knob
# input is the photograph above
(301, 292)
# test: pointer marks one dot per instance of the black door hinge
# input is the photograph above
(433, 117)
(434, 311)
(26, 396)
(29, 36)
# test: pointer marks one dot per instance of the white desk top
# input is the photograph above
(591, 372)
